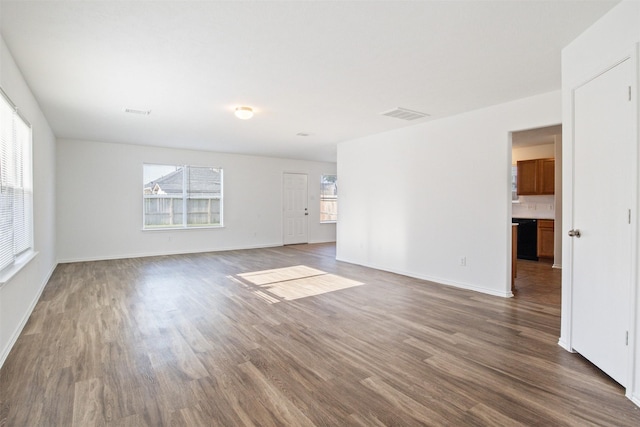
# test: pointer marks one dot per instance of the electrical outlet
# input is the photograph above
(463, 261)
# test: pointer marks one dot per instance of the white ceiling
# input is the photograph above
(538, 136)
(324, 68)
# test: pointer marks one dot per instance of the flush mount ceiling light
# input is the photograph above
(244, 113)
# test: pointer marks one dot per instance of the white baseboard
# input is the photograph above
(558, 266)
(163, 253)
(440, 281)
(25, 318)
(635, 399)
(562, 343)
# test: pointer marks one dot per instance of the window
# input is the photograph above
(16, 194)
(329, 198)
(178, 196)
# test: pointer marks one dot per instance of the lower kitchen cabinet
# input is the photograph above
(545, 238)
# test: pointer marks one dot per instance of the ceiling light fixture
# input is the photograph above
(244, 113)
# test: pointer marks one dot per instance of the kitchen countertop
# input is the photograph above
(534, 216)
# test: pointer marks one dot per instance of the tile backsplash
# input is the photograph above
(542, 207)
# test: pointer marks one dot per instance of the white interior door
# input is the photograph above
(295, 208)
(602, 196)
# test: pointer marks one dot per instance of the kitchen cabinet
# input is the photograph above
(536, 177)
(545, 238)
(547, 176)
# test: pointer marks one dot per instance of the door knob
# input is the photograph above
(574, 233)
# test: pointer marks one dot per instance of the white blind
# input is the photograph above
(16, 211)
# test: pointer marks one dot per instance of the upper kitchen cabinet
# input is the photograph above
(536, 177)
(527, 177)
(548, 176)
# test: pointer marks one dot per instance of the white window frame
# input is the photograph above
(324, 199)
(183, 199)
(16, 188)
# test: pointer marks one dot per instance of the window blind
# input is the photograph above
(16, 213)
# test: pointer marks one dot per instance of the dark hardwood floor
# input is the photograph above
(538, 281)
(288, 336)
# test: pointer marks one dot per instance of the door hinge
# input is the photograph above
(629, 215)
(629, 93)
(626, 341)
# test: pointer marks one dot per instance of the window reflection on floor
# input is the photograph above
(291, 283)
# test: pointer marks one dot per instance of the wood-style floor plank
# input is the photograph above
(289, 336)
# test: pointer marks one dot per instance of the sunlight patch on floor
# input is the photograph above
(291, 283)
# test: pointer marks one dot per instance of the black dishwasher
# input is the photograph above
(527, 238)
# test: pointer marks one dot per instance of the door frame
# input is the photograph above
(565, 340)
(558, 200)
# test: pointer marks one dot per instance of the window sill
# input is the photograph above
(8, 273)
(328, 222)
(208, 227)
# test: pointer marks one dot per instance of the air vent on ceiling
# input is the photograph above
(134, 111)
(404, 114)
(302, 134)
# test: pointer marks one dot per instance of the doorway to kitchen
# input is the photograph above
(536, 208)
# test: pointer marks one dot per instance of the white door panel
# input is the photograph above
(295, 209)
(602, 196)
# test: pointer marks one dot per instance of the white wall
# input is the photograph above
(19, 295)
(417, 199)
(610, 39)
(99, 210)
(543, 151)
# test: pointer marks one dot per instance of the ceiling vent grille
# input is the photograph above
(404, 114)
(134, 111)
